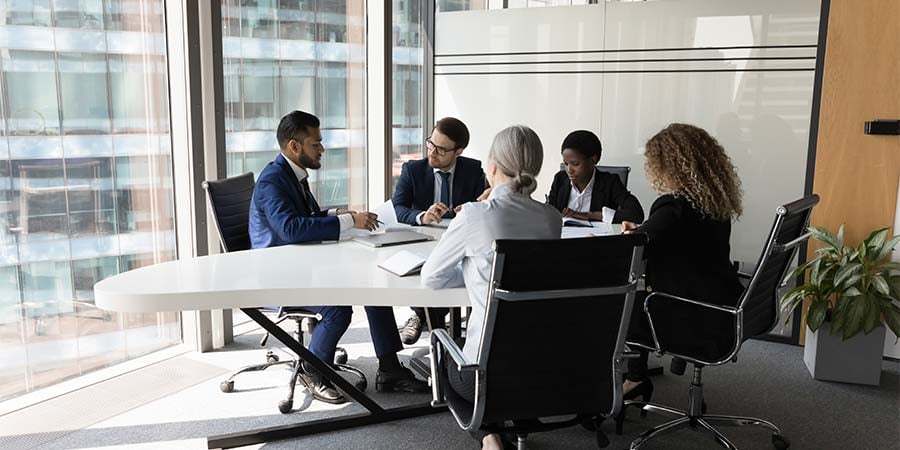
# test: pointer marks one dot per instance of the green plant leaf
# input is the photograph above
(881, 285)
(888, 247)
(855, 317)
(862, 249)
(814, 272)
(872, 317)
(844, 272)
(816, 314)
(840, 235)
(852, 291)
(875, 239)
(838, 317)
(889, 266)
(823, 235)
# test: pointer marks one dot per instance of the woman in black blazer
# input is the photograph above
(595, 189)
(689, 229)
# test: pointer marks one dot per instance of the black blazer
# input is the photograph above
(688, 255)
(608, 191)
(414, 192)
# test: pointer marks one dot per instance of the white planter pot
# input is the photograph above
(856, 360)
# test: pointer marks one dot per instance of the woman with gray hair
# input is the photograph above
(464, 254)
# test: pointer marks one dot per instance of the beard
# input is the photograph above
(309, 163)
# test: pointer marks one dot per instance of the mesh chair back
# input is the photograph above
(760, 300)
(621, 171)
(229, 200)
(549, 341)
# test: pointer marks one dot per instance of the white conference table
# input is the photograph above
(335, 273)
(330, 273)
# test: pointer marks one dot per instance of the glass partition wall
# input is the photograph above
(85, 183)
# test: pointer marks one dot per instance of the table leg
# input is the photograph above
(376, 414)
(456, 322)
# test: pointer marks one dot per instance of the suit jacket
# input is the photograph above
(415, 187)
(281, 214)
(688, 255)
(608, 191)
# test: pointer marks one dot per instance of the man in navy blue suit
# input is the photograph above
(284, 211)
(432, 189)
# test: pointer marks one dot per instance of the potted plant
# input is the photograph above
(853, 292)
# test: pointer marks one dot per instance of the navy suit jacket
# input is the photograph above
(415, 187)
(280, 214)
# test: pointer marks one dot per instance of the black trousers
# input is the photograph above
(437, 315)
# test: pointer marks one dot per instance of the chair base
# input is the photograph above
(703, 423)
(696, 418)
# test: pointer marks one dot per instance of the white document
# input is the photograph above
(403, 263)
(596, 229)
(388, 219)
(573, 222)
(608, 214)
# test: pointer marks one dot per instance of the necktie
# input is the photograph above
(307, 194)
(445, 191)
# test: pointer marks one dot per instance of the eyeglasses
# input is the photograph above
(441, 151)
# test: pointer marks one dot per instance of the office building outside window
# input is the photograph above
(408, 71)
(85, 183)
(285, 55)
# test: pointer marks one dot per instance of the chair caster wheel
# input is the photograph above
(780, 442)
(271, 358)
(227, 386)
(285, 406)
(340, 356)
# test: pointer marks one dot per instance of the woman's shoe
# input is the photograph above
(643, 390)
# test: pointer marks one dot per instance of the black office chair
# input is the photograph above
(621, 171)
(756, 313)
(229, 200)
(526, 376)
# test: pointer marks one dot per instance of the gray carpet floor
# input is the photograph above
(769, 381)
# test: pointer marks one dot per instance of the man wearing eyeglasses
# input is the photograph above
(431, 190)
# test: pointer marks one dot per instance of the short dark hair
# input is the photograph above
(454, 129)
(584, 142)
(292, 123)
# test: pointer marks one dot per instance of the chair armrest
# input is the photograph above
(659, 349)
(442, 344)
(452, 349)
(727, 309)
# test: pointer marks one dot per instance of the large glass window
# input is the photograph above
(407, 88)
(285, 55)
(85, 183)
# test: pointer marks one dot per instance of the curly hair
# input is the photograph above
(685, 161)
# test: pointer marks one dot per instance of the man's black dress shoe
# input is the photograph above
(320, 387)
(400, 381)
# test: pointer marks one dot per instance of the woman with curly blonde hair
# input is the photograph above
(688, 250)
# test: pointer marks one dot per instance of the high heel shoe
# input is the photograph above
(643, 390)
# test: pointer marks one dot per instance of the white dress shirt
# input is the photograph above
(346, 220)
(581, 201)
(464, 255)
(438, 182)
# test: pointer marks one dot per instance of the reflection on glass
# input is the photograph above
(407, 120)
(321, 70)
(30, 78)
(83, 88)
(85, 185)
(27, 12)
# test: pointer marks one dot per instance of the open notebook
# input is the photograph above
(403, 263)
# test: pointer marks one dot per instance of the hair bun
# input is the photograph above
(525, 183)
